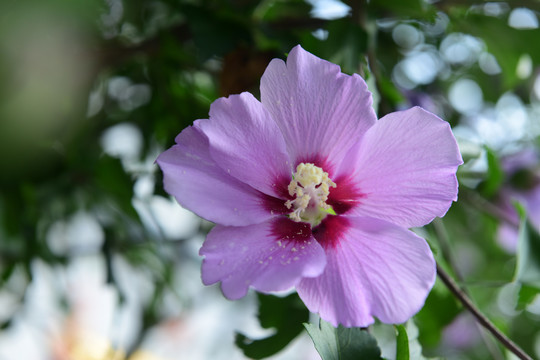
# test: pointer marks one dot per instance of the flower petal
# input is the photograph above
(198, 184)
(406, 168)
(374, 269)
(246, 142)
(272, 256)
(319, 110)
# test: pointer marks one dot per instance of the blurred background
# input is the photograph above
(98, 262)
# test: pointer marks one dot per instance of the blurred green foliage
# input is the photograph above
(285, 315)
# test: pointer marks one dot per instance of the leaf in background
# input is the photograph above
(115, 183)
(402, 343)
(504, 42)
(286, 315)
(494, 176)
(414, 346)
(389, 91)
(343, 343)
(526, 296)
(346, 45)
(279, 10)
(528, 252)
(215, 33)
(403, 8)
(528, 261)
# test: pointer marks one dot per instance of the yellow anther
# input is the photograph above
(310, 187)
(292, 187)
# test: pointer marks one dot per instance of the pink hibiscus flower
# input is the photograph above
(309, 190)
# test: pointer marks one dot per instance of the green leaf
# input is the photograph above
(526, 296)
(414, 346)
(389, 90)
(286, 315)
(402, 8)
(528, 254)
(343, 343)
(495, 175)
(346, 45)
(215, 33)
(114, 182)
(276, 10)
(528, 261)
(504, 42)
(402, 343)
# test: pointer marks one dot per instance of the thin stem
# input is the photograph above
(481, 318)
(444, 242)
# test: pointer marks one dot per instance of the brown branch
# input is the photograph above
(481, 318)
(446, 251)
